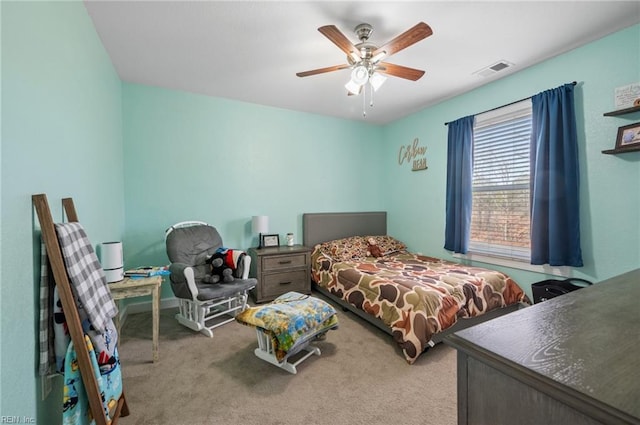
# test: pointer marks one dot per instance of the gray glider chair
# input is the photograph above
(189, 245)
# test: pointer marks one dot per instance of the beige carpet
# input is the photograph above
(360, 378)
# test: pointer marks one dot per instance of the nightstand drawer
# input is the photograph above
(284, 262)
(276, 284)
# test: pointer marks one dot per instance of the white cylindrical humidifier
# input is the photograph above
(112, 262)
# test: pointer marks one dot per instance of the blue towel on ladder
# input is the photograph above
(76, 410)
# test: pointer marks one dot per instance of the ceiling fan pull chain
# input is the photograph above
(371, 99)
(364, 102)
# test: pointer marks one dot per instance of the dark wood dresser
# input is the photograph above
(574, 359)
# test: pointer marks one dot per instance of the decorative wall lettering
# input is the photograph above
(411, 154)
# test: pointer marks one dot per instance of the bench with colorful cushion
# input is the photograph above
(288, 325)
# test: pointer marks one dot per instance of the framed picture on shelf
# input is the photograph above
(270, 240)
(628, 136)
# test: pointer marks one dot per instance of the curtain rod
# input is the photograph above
(508, 104)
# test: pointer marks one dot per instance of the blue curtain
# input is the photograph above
(555, 219)
(459, 182)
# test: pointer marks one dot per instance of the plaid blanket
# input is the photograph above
(46, 322)
(86, 275)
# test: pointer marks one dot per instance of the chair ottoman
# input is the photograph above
(287, 326)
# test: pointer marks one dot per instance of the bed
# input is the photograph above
(416, 299)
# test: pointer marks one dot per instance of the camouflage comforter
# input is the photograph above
(416, 296)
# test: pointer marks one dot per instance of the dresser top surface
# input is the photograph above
(586, 340)
(279, 250)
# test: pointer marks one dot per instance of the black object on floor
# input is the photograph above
(552, 288)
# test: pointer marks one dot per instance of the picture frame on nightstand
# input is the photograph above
(270, 240)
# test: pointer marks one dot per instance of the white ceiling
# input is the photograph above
(251, 50)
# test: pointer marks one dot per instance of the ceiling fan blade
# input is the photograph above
(418, 32)
(322, 70)
(400, 71)
(339, 39)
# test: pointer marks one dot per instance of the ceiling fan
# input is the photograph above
(365, 59)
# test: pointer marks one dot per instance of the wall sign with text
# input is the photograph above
(413, 154)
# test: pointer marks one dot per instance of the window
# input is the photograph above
(500, 220)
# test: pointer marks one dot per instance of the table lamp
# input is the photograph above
(260, 225)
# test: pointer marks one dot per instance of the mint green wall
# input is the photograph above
(609, 194)
(61, 135)
(195, 157)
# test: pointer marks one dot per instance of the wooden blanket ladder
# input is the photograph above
(61, 278)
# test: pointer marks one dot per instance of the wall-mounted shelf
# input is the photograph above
(622, 111)
(617, 151)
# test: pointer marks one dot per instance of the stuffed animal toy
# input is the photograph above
(220, 271)
(373, 250)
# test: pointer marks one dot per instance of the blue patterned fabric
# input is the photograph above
(75, 409)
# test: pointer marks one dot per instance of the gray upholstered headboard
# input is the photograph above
(322, 227)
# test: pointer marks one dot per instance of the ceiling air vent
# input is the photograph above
(493, 69)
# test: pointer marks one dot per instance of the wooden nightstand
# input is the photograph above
(279, 270)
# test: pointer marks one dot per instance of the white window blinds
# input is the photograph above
(500, 222)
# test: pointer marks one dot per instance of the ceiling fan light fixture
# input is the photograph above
(360, 75)
(377, 80)
(353, 88)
